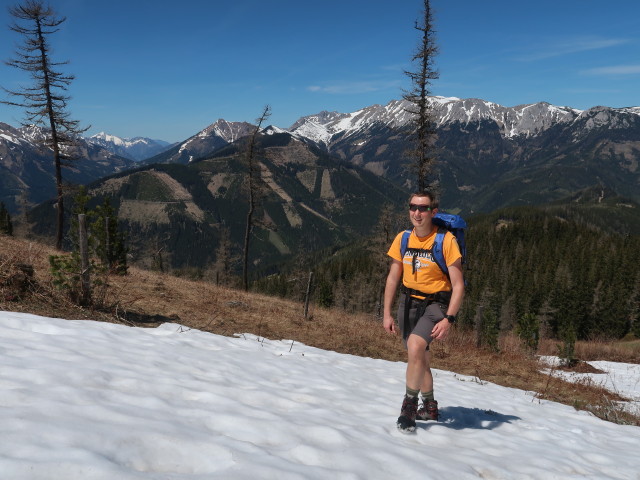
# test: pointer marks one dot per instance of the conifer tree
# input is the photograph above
(66, 269)
(6, 226)
(387, 227)
(109, 241)
(528, 329)
(223, 258)
(45, 101)
(423, 126)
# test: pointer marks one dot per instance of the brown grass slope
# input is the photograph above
(145, 298)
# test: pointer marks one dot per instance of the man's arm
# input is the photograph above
(393, 279)
(457, 284)
(441, 329)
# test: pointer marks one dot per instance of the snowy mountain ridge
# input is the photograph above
(121, 142)
(228, 131)
(326, 127)
(216, 135)
(136, 148)
(528, 120)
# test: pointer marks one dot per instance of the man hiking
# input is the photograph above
(428, 305)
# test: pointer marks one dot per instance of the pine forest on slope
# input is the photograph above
(569, 264)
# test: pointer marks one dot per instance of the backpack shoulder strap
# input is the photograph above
(438, 254)
(404, 244)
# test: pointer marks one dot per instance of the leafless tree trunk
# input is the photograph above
(44, 101)
(423, 132)
(253, 172)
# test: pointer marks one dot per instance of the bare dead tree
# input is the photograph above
(45, 101)
(253, 180)
(423, 131)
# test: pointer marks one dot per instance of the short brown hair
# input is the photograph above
(429, 195)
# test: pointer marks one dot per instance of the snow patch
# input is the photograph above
(79, 400)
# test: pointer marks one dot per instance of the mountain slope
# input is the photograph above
(310, 200)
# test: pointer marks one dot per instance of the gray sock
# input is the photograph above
(412, 393)
(427, 396)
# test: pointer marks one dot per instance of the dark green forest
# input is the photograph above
(576, 277)
(573, 266)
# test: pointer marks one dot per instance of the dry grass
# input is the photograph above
(514, 367)
(145, 298)
(625, 351)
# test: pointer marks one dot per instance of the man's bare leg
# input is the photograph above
(418, 364)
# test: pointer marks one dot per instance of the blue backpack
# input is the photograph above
(445, 222)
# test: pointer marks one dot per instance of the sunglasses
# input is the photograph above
(421, 208)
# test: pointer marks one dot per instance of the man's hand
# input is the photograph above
(393, 279)
(441, 330)
(388, 324)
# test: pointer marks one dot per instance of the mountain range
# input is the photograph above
(27, 170)
(136, 148)
(492, 156)
(327, 177)
(489, 155)
(480, 144)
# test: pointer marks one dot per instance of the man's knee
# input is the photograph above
(427, 358)
(416, 347)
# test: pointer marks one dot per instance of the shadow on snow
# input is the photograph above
(460, 418)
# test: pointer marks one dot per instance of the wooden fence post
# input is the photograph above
(85, 275)
(479, 325)
(107, 241)
(306, 297)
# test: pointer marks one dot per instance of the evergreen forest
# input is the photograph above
(571, 267)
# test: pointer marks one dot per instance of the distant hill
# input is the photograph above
(204, 143)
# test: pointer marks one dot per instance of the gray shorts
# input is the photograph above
(420, 326)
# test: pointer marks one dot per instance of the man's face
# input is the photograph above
(420, 211)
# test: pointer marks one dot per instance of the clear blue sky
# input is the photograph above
(166, 69)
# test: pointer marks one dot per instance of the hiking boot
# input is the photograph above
(428, 410)
(407, 419)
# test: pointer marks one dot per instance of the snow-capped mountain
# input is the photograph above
(137, 148)
(522, 120)
(215, 136)
(27, 170)
(488, 153)
(479, 143)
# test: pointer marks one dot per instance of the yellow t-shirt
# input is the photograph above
(426, 276)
